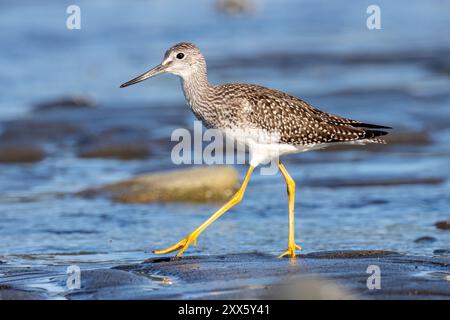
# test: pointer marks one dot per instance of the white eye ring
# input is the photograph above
(180, 55)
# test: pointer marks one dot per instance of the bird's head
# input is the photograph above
(183, 59)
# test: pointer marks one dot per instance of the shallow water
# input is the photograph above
(318, 50)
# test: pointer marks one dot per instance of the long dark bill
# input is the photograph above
(151, 73)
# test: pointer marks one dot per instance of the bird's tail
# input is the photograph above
(370, 126)
(372, 135)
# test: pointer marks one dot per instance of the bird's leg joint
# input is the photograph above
(290, 186)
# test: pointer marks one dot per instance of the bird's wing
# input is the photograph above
(299, 123)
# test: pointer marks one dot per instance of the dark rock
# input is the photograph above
(105, 278)
(443, 225)
(299, 59)
(13, 292)
(442, 252)
(64, 103)
(408, 138)
(110, 284)
(425, 239)
(379, 182)
(20, 153)
(37, 131)
(118, 151)
(441, 66)
(120, 143)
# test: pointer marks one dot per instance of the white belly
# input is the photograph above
(262, 146)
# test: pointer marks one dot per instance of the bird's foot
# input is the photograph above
(183, 245)
(291, 251)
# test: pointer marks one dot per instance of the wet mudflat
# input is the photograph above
(79, 158)
(317, 275)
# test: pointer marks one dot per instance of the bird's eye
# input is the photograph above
(180, 55)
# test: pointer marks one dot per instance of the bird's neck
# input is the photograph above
(196, 88)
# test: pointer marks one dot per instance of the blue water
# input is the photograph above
(318, 50)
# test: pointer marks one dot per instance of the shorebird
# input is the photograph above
(270, 123)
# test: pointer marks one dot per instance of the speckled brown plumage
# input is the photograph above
(239, 105)
(297, 122)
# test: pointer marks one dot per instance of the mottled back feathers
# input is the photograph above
(296, 122)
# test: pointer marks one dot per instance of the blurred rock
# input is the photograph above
(20, 153)
(370, 182)
(64, 103)
(425, 239)
(408, 138)
(309, 288)
(120, 143)
(42, 131)
(12, 292)
(201, 184)
(104, 278)
(441, 252)
(441, 66)
(443, 225)
(234, 7)
(110, 284)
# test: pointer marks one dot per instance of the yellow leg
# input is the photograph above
(192, 237)
(290, 183)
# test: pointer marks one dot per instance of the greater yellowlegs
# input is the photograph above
(270, 123)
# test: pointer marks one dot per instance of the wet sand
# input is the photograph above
(317, 275)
